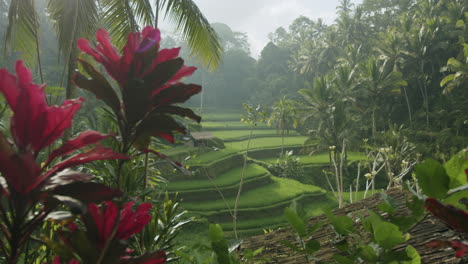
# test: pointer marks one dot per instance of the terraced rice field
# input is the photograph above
(211, 192)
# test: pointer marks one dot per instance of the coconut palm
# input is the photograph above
(377, 82)
(283, 117)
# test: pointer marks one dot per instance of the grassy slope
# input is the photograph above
(280, 190)
(212, 156)
(225, 125)
(266, 142)
(234, 134)
(223, 115)
(319, 158)
(226, 179)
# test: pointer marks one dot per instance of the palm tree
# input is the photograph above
(79, 19)
(378, 81)
(393, 50)
(283, 117)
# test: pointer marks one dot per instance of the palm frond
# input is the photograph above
(195, 29)
(72, 19)
(124, 16)
(22, 30)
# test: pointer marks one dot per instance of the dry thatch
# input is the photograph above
(426, 230)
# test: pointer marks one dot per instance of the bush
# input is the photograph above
(288, 166)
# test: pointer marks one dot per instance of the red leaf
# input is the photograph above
(98, 85)
(66, 177)
(167, 54)
(21, 172)
(104, 219)
(34, 124)
(177, 93)
(176, 164)
(177, 110)
(459, 246)
(133, 222)
(452, 216)
(130, 222)
(183, 72)
(87, 192)
(99, 153)
(82, 140)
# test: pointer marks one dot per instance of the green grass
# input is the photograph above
(225, 116)
(280, 190)
(226, 179)
(235, 134)
(319, 158)
(212, 156)
(267, 142)
(226, 125)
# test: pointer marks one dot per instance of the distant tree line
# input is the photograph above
(380, 64)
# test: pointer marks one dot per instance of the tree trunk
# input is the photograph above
(409, 107)
(71, 91)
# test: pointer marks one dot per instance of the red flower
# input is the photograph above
(149, 80)
(34, 126)
(130, 222)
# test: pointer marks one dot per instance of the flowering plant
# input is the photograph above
(31, 190)
(103, 233)
(149, 84)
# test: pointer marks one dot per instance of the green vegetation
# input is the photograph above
(226, 115)
(267, 142)
(228, 135)
(226, 179)
(212, 156)
(228, 125)
(379, 90)
(280, 191)
(322, 158)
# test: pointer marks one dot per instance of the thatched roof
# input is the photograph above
(426, 230)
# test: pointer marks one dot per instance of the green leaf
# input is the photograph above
(456, 167)
(218, 243)
(432, 179)
(343, 225)
(342, 245)
(447, 79)
(368, 253)
(296, 222)
(387, 235)
(413, 255)
(312, 246)
(192, 25)
(460, 24)
(343, 259)
(389, 205)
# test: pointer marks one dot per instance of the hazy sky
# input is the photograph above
(259, 17)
